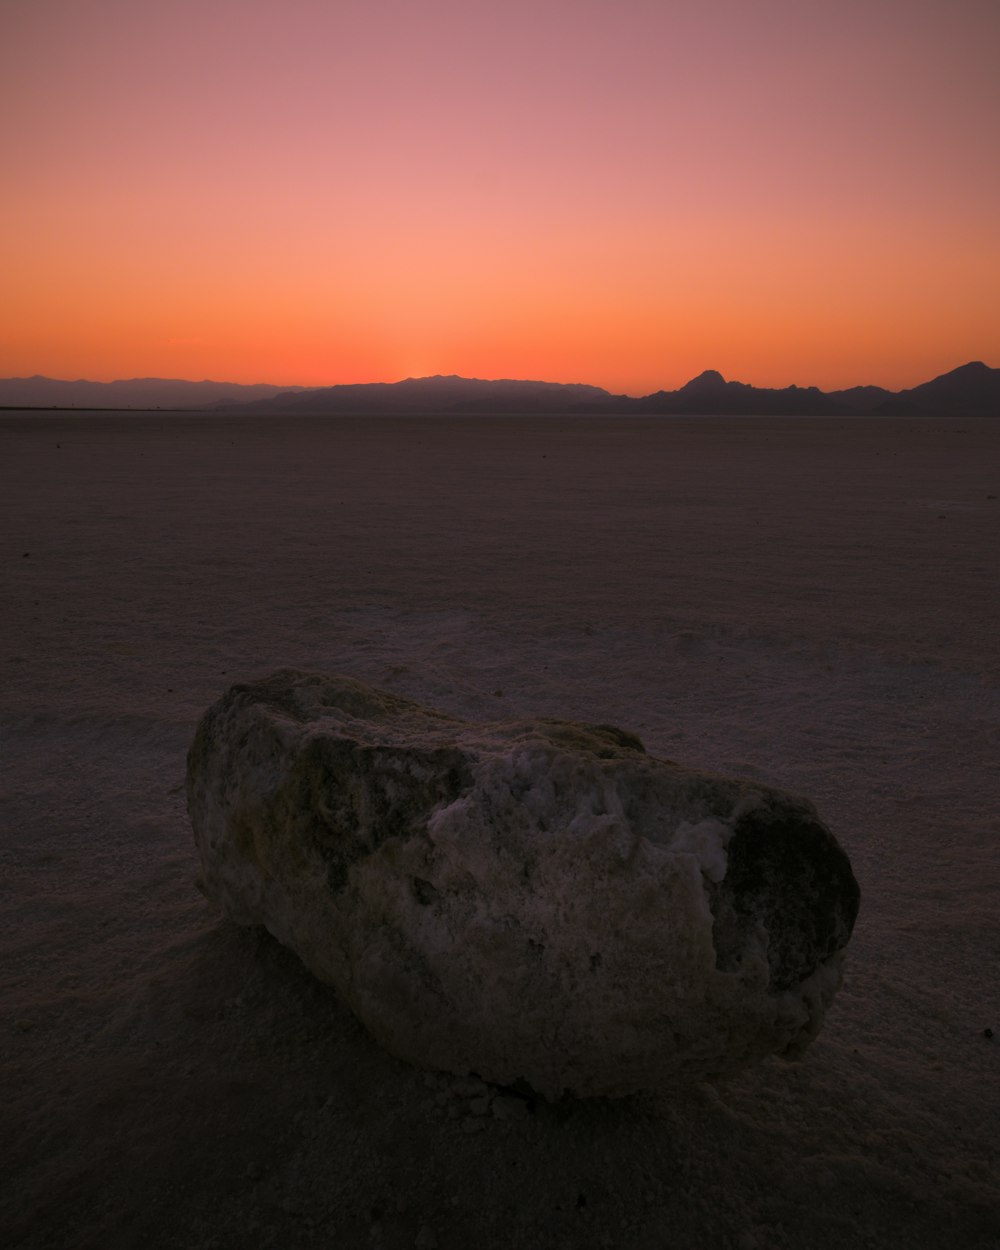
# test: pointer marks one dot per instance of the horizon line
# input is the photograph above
(283, 386)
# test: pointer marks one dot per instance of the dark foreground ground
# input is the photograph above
(812, 602)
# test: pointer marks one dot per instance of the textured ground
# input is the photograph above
(810, 602)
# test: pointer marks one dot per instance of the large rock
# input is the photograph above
(531, 900)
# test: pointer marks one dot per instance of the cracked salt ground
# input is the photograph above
(173, 1081)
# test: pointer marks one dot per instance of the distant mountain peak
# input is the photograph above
(438, 377)
(710, 378)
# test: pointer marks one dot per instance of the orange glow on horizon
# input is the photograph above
(560, 195)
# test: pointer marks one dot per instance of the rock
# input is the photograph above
(531, 901)
(507, 1108)
(469, 1087)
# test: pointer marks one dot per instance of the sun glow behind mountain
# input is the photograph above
(318, 194)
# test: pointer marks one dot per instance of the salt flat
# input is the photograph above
(812, 602)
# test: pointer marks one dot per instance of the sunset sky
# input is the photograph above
(321, 191)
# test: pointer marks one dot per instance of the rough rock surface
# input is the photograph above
(534, 900)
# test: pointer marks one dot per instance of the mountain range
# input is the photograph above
(971, 390)
(141, 393)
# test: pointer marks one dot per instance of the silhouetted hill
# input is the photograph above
(861, 398)
(709, 394)
(140, 393)
(972, 390)
(442, 393)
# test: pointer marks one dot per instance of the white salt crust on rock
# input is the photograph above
(535, 900)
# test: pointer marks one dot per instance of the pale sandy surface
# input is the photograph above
(811, 602)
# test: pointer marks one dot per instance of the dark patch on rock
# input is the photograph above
(792, 878)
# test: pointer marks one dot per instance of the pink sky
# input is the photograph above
(623, 194)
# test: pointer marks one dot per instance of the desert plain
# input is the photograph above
(808, 601)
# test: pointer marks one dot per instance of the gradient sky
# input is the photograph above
(623, 193)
